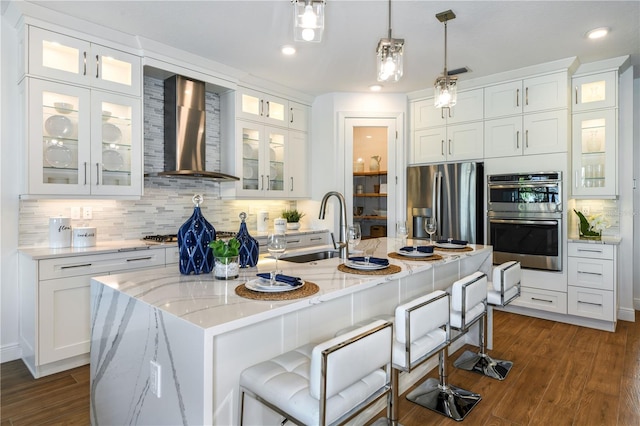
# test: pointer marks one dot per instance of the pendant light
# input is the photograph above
(308, 20)
(389, 56)
(446, 85)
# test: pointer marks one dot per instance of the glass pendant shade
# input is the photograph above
(446, 92)
(308, 20)
(389, 59)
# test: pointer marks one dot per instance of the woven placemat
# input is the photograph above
(391, 269)
(434, 256)
(307, 289)
(454, 249)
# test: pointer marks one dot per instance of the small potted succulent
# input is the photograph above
(225, 253)
(293, 218)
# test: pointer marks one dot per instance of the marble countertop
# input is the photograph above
(604, 240)
(39, 253)
(214, 306)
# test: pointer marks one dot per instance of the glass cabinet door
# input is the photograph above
(115, 70)
(262, 107)
(277, 141)
(59, 134)
(251, 174)
(594, 155)
(594, 91)
(116, 150)
(58, 56)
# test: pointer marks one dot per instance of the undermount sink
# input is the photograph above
(310, 257)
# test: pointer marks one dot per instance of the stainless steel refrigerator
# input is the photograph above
(454, 194)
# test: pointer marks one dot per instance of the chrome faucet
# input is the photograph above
(343, 245)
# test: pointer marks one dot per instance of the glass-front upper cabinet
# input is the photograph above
(265, 108)
(82, 142)
(66, 58)
(263, 160)
(594, 91)
(595, 154)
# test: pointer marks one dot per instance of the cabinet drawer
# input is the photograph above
(544, 300)
(172, 256)
(591, 303)
(99, 264)
(592, 273)
(593, 251)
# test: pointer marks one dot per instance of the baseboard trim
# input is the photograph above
(10, 352)
(627, 314)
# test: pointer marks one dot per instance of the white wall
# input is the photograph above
(636, 192)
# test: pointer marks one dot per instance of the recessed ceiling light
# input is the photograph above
(375, 88)
(288, 50)
(598, 33)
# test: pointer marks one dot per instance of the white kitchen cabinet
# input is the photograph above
(460, 142)
(296, 167)
(268, 109)
(73, 60)
(299, 116)
(541, 133)
(595, 91)
(54, 304)
(81, 141)
(469, 107)
(532, 94)
(592, 276)
(595, 154)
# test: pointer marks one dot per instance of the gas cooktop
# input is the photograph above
(173, 238)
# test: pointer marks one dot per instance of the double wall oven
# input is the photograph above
(525, 219)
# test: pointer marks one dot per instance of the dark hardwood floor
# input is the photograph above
(562, 375)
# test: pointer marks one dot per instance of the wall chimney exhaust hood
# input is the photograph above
(184, 130)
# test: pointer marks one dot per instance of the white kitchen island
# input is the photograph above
(202, 335)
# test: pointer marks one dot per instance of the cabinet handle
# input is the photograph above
(442, 113)
(291, 184)
(291, 114)
(450, 143)
(590, 303)
(293, 241)
(84, 63)
(526, 138)
(85, 172)
(526, 96)
(268, 183)
(97, 66)
(591, 250)
(542, 300)
(449, 111)
(316, 238)
(442, 147)
(84, 265)
(261, 107)
(576, 95)
(97, 173)
(261, 182)
(136, 259)
(268, 109)
(518, 139)
(590, 273)
(517, 97)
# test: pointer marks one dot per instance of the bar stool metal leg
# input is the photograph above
(441, 397)
(481, 362)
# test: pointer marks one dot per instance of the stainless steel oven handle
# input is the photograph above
(524, 222)
(523, 185)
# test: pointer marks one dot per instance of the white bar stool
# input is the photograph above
(328, 383)
(504, 288)
(422, 329)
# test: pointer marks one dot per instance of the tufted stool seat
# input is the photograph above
(504, 288)
(357, 366)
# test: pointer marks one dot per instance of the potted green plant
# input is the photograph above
(591, 228)
(225, 254)
(293, 218)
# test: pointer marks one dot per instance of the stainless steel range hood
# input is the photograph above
(184, 130)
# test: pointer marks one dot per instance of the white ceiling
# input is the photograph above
(486, 36)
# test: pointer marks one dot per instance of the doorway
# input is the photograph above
(372, 149)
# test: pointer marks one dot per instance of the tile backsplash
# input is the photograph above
(608, 208)
(166, 203)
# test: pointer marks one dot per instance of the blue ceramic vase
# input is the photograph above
(194, 236)
(249, 247)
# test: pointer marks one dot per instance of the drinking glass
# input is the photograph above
(402, 231)
(354, 235)
(430, 227)
(276, 245)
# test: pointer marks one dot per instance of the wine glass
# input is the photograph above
(402, 231)
(276, 245)
(354, 235)
(430, 227)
